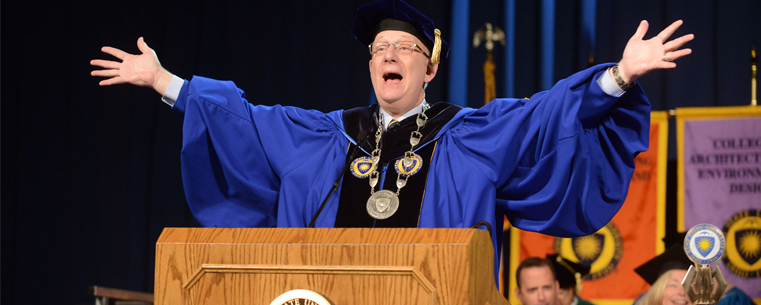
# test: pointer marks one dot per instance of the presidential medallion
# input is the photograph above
(362, 167)
(382, 204)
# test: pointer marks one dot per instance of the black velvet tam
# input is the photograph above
(395, 15)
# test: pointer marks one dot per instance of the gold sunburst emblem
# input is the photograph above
(705, 244)
(600, 251)
(588, 247)
(750, 244)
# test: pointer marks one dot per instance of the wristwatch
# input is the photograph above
(617, 77)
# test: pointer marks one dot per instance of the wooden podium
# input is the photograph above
(348, 266)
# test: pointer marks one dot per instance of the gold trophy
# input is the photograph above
(704, 244)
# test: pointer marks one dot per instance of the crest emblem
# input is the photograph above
(704, 244)
(749, 245)
(362, 167)
(301, 297)
(382, 204)
(743, 232)
(408, 165)
(601, 251)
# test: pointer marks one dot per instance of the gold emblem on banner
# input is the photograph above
(743, 237)
(601, 251)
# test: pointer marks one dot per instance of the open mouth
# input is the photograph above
(392, 77)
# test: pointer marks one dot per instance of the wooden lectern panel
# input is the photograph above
(347, 265)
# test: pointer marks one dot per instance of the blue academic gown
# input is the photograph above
(558, 163)
(735, 296)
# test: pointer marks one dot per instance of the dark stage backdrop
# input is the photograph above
(91, 175)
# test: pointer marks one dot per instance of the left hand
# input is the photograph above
(642, 56)
(138, 69)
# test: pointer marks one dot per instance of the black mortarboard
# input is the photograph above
(672, 258)
(397, 15)
(568, 273)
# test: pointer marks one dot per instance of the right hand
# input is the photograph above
(643, 56)
(141, 70)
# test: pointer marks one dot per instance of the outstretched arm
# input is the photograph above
(143, 70)
(643, 56)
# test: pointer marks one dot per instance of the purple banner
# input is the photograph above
(722, 186)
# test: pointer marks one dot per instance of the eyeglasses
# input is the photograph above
(403, 47)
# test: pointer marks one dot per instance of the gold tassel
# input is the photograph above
(490, 87)
(576, 275)
(753, 81)
(436, 53)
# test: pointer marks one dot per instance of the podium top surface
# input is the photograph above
(390, 236)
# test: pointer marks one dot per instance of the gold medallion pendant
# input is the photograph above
(382, 204)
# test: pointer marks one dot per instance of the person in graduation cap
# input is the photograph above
(558, 163)
(665, 274)
(569, 275)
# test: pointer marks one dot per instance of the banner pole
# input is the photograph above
(753, 68)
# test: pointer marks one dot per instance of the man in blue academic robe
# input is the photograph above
(558, 163)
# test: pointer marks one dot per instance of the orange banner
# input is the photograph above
(630, 239)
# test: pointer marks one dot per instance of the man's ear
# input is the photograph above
(518, 294)
(430, 72)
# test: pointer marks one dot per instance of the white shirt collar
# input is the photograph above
(386, 118)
